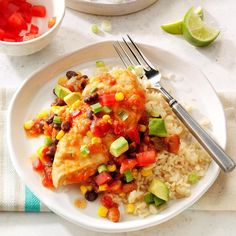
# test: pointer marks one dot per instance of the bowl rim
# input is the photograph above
(42, 35)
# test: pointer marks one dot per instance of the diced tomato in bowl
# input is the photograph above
(24, 21)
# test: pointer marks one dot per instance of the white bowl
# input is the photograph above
(109, 7)
(55, 8)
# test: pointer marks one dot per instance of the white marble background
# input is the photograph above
(218, 62)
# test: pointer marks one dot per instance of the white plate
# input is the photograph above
(36, 94)
(108, 7)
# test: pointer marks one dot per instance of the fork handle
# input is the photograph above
(214, 150)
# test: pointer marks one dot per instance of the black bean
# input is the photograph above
(83, 83)
(49, 119)
(65, 126)
(57, 126)
(55, 141)
(51, 151)
(113, 174)
(70, 74)
(89, 114)
(91, 98)
(91, 195)
(59, 102)
(132, 147)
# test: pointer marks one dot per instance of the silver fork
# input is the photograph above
(125, 50)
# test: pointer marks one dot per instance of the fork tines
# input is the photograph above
(130, 54)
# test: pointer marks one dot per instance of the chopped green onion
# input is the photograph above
(102, 168)
(158, 201)
(131, 68)
(93, 90)
(149, 198)
(97, 107)
(84, 150)
(56, 120)
(47, 141)
(123, 115)
(95, 29)
(107, 109)
(100, 64)
(119, 146)
(128, 176)
(157, 127)
(193, 178)
(106, 25)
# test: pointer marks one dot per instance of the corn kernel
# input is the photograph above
(149, 167)
(89, 187)
(83, 189)
(62, 81)
(145, 172)
(96, 140)
(28, 124)
(130, 208)
(76, 104)
(102, 211)
(42, 114)
(60, 134)
(55, 109)
(119, 96)
(102, 188)
(135, 173)
(111, 168)
(106, 117)
(142, 128)
(89, 134)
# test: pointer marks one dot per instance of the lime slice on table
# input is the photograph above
(176, 27)
(197, 32)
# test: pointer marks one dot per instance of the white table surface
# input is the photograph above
(218, 62)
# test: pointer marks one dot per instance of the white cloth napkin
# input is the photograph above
(15, 196)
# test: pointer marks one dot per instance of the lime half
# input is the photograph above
(196, 32)
(176, 27)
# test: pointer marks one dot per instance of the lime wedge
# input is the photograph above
(173, 28)
(196, 32)
(176, 27)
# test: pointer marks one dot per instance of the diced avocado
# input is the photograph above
(119, 146)
(61, 92)
(102, 168)
(157, 127)
(158, 201)
(72, 98)
(149, 198)
(159, 189)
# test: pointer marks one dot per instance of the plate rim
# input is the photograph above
(13, 157)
